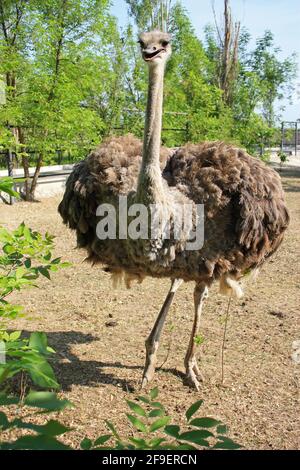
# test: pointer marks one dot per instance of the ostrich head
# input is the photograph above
(155, 47)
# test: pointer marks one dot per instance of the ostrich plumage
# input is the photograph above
(245, 211)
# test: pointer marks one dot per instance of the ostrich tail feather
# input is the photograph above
(229, 286)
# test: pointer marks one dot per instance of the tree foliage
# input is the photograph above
(150, 14)
(58, 63)
(72, 77)
(149, 427)
(24, 256)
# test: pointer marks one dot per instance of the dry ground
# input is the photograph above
(99, 366)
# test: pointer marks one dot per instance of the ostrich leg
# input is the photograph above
(152, 342)
(192, 370)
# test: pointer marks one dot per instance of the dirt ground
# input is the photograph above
(100, 366)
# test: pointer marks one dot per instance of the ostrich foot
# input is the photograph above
(149, 369)
(147, 377)
(193, 374)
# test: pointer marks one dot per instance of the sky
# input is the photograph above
(282, 17)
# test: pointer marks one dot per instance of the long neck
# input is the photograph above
(150, 183)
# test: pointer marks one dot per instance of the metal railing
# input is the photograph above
(9, 159)
(293, 142)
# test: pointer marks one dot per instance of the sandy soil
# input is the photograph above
(99, 366)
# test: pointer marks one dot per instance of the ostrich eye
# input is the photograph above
(141, 43)
(165, 43)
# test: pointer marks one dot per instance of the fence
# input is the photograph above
(290, 136)
(10, 160)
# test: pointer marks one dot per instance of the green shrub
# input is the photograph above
(24, 256)
(154, 430)
(150, 428)
(6, 186)
(283, 157)
(41, 437)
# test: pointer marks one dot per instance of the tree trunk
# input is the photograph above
(226, 49)
(34, 181)
(228, 36)
(25, 165)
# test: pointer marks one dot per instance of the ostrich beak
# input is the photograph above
(152, 52)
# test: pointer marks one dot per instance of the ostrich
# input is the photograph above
(245, 212)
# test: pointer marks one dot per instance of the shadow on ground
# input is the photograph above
(71, 370)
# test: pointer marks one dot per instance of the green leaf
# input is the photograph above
(8, 249)
(136, 408)
(204, 422)
(193, 409)
(140, 443)
(7, 400)
(44, 272)
(144, 400)
(112, 429)
(197, 437)
(102, 439)
(185, 447)
(86, 444)
(20, 230)
(222, 429)
(36, 443)
(4, 423)
(41, 373)
(172, 430)
(38, 341)
(159, 423)
(6, 186)
(65, 264)
(20, 272)
(5, 336)
(137, 423)
(47, 401)
(156, 441)
(27, 234)
(5, 235)
(226, 443)
(51, 428)
(14, 335)
(156, 412)
(154, 393)
(156, 404)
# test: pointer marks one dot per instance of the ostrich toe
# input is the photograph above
(193, 374)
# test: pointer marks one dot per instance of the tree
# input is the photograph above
(150, 14)
(275, 76)
(63, 64)
(188, 84)
(13, 32)
(72, 78)
(190, 98)
(223, 48)
(251, 80)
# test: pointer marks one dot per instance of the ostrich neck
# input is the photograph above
(150, 183)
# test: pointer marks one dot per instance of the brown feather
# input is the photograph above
(245, 210)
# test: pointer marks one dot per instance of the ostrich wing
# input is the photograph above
(109, 171)
(228, 180)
